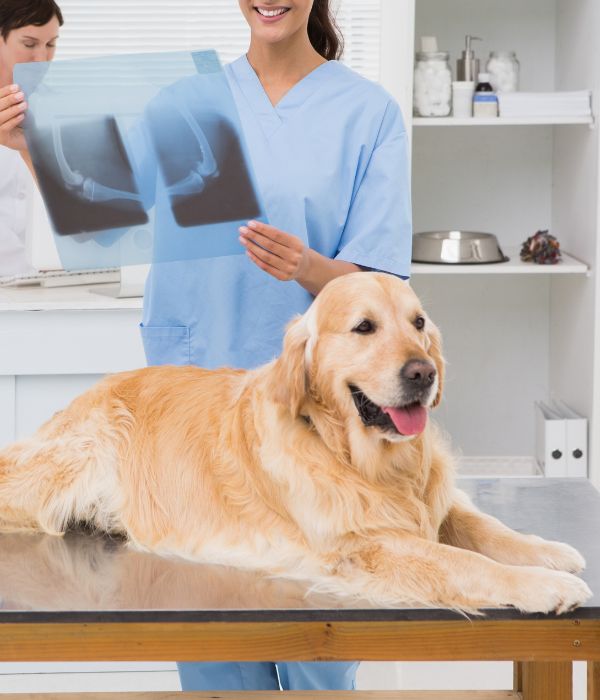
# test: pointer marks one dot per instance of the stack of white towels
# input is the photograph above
(545, 104)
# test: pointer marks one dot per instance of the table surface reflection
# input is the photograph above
(83, 578)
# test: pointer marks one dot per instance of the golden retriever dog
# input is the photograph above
(320, 465)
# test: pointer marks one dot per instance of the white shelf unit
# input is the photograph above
(513, 266)
(501, 121)
(513, 332)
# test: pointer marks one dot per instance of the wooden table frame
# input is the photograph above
(542, 649)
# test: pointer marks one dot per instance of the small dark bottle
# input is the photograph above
(485, 101)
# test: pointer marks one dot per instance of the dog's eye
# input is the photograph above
(419, 323)
(364, 327)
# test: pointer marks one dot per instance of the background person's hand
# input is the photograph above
(281, 254)
(12, 113)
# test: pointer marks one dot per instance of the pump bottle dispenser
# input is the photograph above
(467, 67)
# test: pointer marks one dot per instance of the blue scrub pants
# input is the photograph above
(317, 675)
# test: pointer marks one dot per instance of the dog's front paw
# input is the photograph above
(560, 556)
(542, 590)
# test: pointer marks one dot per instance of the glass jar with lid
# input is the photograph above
(432, 96)
(504, 69)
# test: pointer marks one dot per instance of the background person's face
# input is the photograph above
(291, 17)
(29, 44)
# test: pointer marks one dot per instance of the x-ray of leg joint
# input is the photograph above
(148, 142)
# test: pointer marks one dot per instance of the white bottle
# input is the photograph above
(462, 98)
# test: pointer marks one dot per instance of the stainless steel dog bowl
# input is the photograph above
(457, 248)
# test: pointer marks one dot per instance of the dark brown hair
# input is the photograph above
(15, 14)
(323, 32)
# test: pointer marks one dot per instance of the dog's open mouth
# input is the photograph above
(405, 420)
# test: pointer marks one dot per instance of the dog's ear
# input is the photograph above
(435, 352)
(290, 371)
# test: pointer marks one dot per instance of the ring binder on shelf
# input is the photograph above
(576, 438)
(560, 439)
(550, 440)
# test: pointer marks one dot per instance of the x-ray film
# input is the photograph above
(140, 158)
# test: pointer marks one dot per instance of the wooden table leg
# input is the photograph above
(593, 680)
(541, 680)
(517, 676)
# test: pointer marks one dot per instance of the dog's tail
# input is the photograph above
(65, 474)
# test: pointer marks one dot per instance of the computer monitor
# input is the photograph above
(44, 257)
(39, 236)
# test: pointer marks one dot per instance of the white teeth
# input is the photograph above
(271, 13)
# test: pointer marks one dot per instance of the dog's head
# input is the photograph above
(367, 352)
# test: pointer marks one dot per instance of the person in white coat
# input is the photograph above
(28, 32)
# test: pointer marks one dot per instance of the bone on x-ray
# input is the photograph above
(140, 158)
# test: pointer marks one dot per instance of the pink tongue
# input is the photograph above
(410, 420)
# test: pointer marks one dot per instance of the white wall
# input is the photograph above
(495, 332)
(575, 356)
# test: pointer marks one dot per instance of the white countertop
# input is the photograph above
(63, 298)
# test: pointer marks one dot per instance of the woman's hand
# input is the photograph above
(286, 258)
(282, 255)
(12, 113)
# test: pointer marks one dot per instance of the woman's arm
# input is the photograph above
(26, 156)
(321, 270)
(286, 258)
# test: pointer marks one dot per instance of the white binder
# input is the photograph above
(576, 438)
(550, 440)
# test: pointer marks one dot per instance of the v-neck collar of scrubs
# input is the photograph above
(271, 116)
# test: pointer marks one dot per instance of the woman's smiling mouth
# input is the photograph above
(271, 14)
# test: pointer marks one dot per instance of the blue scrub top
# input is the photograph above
(331, 163)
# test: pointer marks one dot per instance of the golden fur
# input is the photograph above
(274, 469)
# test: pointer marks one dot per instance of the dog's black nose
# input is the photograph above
(418, 374)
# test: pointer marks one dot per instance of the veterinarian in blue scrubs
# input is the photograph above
(329, 151)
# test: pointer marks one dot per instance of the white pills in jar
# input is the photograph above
(503, 68)
(432, 95)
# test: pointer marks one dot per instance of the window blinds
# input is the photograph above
(94, 27)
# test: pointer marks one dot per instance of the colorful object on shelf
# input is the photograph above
(485, 102)
(541, 248)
